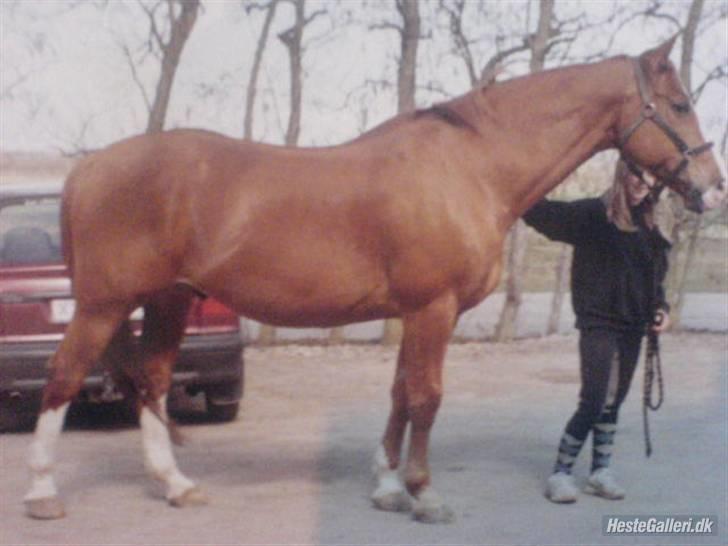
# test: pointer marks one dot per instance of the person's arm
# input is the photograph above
(567, 222)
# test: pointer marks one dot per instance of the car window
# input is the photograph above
(30, 232)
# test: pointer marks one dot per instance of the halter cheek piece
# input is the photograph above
(650, 113)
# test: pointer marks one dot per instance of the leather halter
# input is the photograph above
(649, 113)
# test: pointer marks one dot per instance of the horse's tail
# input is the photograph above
(69, 190)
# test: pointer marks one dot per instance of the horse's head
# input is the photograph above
(659, 132)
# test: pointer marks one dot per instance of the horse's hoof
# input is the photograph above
(429, 508)
(194, 496)
(393, 501)
(45, 508)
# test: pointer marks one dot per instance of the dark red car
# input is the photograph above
(36, 305)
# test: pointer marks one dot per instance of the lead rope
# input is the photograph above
(653, 368)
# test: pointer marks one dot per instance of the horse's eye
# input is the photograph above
(681, 107)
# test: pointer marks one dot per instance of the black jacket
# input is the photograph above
(616, 276)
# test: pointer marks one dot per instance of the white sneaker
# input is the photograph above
(602, 483)
(560, 487)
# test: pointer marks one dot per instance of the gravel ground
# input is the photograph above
(294, 468)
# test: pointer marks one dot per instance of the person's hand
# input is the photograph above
(661, 322)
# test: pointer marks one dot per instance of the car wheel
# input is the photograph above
(222, 413)
(223, 399)
(15, 420)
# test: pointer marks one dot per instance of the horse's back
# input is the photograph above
(297, 235)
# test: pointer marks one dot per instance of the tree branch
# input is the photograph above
(718, 73)
(135, 76)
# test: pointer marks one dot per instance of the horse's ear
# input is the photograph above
(659, 57)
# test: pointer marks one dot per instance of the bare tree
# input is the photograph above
(293, 40)
(458, 12)
(410, 36)
(506, 327)
(409, 32)
(689, 223)
(180, 17)
(270, 11)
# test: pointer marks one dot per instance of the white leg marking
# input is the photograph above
(158, 454)
(430, 508)
(388, 480)
(42, 453)
(390, 494)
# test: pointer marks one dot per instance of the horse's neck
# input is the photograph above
(544, 126)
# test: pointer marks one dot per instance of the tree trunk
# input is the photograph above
(560, 289)
(688, 43)
(540, 40)
(255, 70)
(561, 284)
(267, 333)
(292, 39)
(406, 81)
(180, 28)
(506, 328)
(336, 336)
(410, 36)
(677, 279)
(681, 283)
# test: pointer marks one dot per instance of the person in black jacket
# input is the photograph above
(619, 264)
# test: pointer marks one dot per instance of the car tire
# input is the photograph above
(222, 400)
(222, 413)
(13, 420)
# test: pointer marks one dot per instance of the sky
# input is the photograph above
(66, 84)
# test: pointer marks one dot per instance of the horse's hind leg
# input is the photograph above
(418, 391)
(86, 337)
(164, 324)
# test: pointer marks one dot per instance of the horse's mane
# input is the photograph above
(446, 113)
(454, 113)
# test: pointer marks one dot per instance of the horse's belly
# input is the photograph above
(284, 309)
(303, 295)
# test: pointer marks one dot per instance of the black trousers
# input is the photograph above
(608, 361)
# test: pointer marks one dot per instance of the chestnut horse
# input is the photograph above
(407, 221)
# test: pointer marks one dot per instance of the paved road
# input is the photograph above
(294, 469)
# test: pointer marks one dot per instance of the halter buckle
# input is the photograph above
(649, 110)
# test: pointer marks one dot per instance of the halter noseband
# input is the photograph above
(649, 113)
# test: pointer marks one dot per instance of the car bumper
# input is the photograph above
(203, 361)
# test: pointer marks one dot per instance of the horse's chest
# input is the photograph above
(482, 276)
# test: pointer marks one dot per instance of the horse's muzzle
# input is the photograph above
(715, 196)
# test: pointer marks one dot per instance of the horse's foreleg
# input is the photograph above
(416, 396)
(164, 325)
(86, 338)
(389, 493)
(426, 335)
